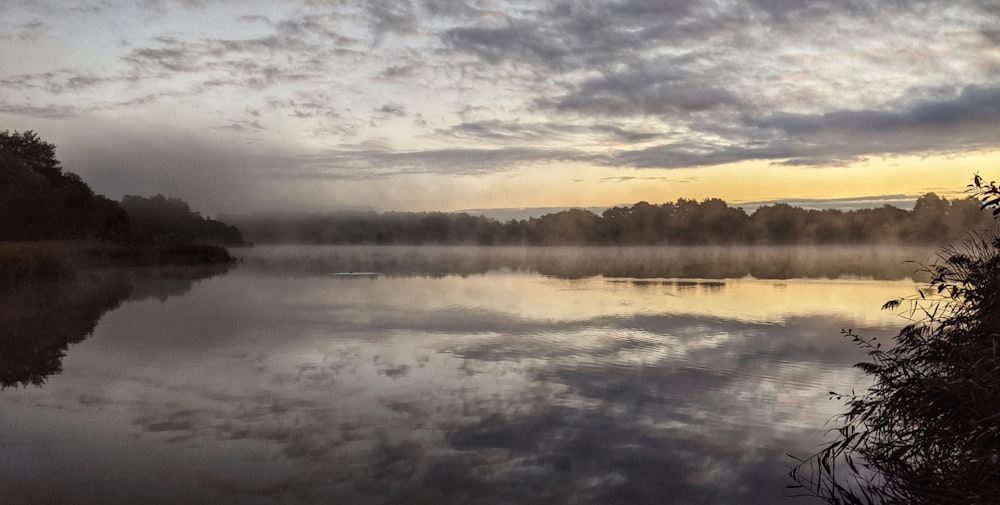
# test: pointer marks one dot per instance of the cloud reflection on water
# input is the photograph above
(501, 388)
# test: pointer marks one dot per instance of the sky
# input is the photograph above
(314, 105)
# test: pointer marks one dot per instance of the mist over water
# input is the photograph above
(882, 262)
(443, 375)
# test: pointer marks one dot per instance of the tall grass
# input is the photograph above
(24, 263)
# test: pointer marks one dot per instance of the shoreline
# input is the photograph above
(23, 263)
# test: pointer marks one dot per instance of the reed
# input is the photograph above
(24, 263)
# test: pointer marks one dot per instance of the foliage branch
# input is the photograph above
(928, 430)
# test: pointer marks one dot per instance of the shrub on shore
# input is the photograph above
(928, 430)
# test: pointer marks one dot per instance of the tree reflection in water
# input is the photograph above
(38, 322)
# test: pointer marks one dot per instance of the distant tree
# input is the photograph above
(684, 222)
(171, 220)
(778, 224)
(930, 215)
(574, 226)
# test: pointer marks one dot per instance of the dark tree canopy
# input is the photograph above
(171, 220)
(40, 201)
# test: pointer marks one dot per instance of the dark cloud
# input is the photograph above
(502, 131)
(497, 131)
(639, 95)
(172, 55)
(392, 109)
(248, 129)
(361, 164)
(519, 41)
(392, 16)
(458, 9)
(992, 35)
(628, 135)
(973, 106)
(32, 31)
(44, 111)
(306, 105)
(400, 71)
(969, 120)
(297, 50)
(56, 82)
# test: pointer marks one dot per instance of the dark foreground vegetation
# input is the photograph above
(684, 222)
(52, 224)
(928, 430)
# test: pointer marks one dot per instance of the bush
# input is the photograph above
(928, 430)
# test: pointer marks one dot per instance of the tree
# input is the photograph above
(171, 220)
(31, 153)
(38, 201)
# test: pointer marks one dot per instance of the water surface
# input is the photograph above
(444, 375)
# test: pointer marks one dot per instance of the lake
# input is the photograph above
(438, 375)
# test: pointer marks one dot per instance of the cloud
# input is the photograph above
(392, 16)
(636, 94)
(42, 111)
(903, 201)
(973, 106)
(31, 31)
(629, 178)
(969, 120)
(56, 82)
(392, 109)
(506, 132)
(172, 55)
(362, 164)
(519, 41)
(306, 105)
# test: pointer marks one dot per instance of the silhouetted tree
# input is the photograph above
(38, 201)
(171, 220)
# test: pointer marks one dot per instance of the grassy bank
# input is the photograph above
(54, 261)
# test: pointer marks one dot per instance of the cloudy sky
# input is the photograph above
(457, 104)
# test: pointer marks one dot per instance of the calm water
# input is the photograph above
(449, 375)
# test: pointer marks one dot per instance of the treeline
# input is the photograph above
(684, 222)
(171, 220)
(39, 201)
